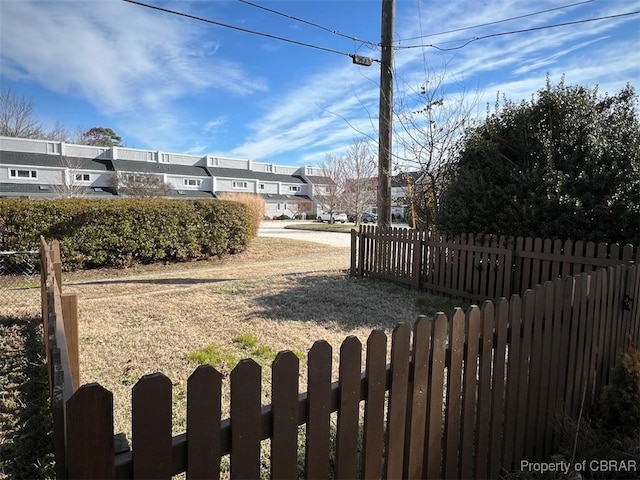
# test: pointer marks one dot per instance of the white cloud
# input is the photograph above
(116, 56)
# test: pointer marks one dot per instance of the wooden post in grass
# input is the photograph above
(70, 317)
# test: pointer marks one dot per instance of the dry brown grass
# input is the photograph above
(286, 293)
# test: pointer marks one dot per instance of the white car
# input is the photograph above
(337, 217)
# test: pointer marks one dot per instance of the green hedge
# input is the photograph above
(100, 233)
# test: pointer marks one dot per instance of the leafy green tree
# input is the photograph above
(565, 164)
(102, 137)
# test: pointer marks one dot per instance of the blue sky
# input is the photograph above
(174, 84)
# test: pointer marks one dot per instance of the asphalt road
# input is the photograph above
(275, 228)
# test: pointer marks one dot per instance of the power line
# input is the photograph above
(495, 22)
(335, 32)
(240, 29)
(543, 27)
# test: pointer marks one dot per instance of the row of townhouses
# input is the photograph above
(47, 169)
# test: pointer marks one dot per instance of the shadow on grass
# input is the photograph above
(347, 302)
(155, 281)
(26, 438)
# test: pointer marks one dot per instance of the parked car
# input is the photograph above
(337, 217)
(369, 217)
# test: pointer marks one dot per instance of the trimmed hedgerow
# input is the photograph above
(107, 233)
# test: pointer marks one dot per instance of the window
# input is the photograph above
(294, 188)
(239, 184)
(192, 182)
(82, 177)
(262, 186)
(15, 173)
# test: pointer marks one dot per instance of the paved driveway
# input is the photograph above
(275, 228)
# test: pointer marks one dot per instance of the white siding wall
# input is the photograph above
(283, 170)
(86, 151)
(181, 159)
(268, 187)
(177, 182)
(45, 175)
(232, 163)
(226, 185)
(133, 154)
(23, 145)
(262, 167)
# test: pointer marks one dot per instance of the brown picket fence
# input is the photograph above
(60, 326)
(475, 267)
(463, 397)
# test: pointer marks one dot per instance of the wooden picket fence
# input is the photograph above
(475, 267)
(463, 397)
(60, 326)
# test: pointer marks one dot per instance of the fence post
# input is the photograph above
(354, 240)
(70, 318)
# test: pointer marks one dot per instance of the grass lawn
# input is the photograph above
(323, 227)
(279, 294)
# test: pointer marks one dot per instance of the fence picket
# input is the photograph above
(246, 384)
(573, 345)
(513, 376)
(455, 259)
(318, 411)
(498, 387)
(151, 427)
(484, 392)
(436, 393)
(90, 433)
(418, 398)
(615, 317)
(526, 332)
(472, 335)
(396, 415)
(542, 447)
(204, 388)
(284, 405)
(349, 411)
(453, 417)
(557, 293)
(376, 375)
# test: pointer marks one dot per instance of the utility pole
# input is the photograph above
(385, 115)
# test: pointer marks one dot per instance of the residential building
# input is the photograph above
(49, 169)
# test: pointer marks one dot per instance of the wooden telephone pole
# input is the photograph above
(385, 115)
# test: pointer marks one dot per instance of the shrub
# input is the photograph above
(98, 233)
(620, 401)
(254, 202)
(311, 216)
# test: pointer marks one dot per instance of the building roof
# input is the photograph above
(321, 180)
(158, 168)
(190, 194)
(251, 175)
(400, 180)
(53, 160)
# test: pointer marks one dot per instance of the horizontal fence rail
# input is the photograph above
(463, 396)
(474, 267)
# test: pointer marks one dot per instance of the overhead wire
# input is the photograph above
(241, 29)
(307, 22)
(494, 22)
(524, 30)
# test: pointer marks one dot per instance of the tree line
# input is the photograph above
(564, 164)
